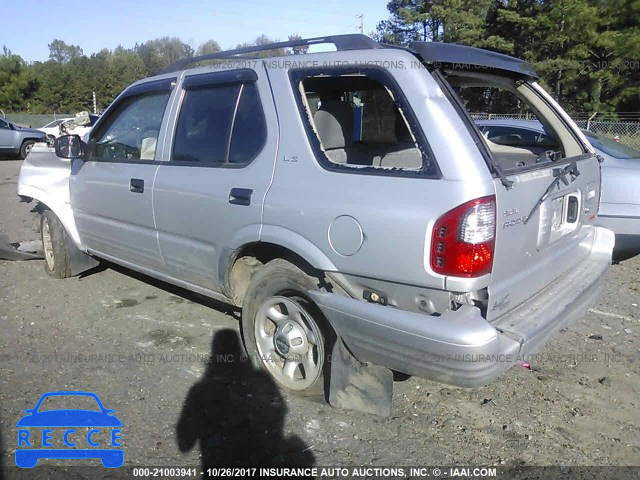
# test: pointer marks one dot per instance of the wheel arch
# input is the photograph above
(242, 261)
(59, 206)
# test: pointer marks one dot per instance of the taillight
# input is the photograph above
(464, 239)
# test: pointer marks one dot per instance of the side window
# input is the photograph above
(249, 127)
(204, 123)
(362, 121)
(4, 125)
(131, 131)
(220, 125)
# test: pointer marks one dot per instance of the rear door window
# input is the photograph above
(204, 125)
(219, 125)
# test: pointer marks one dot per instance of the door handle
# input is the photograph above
(240, 196)
(136, 185)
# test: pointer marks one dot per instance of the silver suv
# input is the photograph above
(17, 140)
(343, 200)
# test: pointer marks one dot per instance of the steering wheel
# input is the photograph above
(121, 150)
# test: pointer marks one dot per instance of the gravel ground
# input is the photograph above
(144, 346)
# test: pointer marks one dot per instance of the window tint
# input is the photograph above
(131, 131)
(249, 127)
(204, 123)
(359, 124)
(4, 124)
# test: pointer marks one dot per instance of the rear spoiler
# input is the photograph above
(469, 58)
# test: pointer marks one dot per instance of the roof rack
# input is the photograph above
(353, 41)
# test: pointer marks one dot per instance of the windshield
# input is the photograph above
(611, 147)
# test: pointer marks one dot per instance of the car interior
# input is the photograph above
(514, 149)
(359, 124)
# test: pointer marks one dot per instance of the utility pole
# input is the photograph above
(361, 17)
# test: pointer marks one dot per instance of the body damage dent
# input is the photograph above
(45, 177)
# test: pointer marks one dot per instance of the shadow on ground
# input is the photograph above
(235, 414)
(167, 287)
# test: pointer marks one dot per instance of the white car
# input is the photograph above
(52, 129)
(80, 125)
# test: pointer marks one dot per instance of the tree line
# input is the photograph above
(66, 82)
(587, 52)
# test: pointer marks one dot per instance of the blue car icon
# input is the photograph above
(69, 419)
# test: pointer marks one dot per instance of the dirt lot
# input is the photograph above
(143, 347)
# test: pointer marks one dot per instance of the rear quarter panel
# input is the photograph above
(392, 217)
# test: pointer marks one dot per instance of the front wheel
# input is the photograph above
(25, 150)
(284, 332)
(57, 260)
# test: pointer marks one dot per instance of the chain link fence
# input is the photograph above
(35, 121)
(623, 131)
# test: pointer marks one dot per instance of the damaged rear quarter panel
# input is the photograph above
(45, 177)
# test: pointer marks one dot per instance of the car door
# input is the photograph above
(7, 135)
(208, 196)
(111, 189)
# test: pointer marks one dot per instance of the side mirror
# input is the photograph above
(69, 146)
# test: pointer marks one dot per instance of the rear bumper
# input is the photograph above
(460, 347)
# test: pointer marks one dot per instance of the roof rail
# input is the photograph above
(352, 41)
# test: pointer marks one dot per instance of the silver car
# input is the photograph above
(620, 202)
(17, 140)
(345, 201)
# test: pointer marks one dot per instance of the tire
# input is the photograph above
(285, 333)
(26, 148)
(57, 260)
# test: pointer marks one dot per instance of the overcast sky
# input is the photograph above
(28, 26)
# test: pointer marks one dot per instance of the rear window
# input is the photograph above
(527, 132)
(359, 122)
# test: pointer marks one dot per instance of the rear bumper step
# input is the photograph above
(460, 347)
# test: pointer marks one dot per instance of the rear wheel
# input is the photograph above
(57, 260)
(284, 332)
(27, 145)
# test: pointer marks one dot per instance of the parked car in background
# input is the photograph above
(17, 140)
(79, 125)
(52, 129)
(341, 202)
(620, 202)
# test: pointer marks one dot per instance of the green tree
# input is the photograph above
(17, 83)
(160, 53)
(263, 40)
(413, 20)
(61, 52)
(210, 46)
(298, 50)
